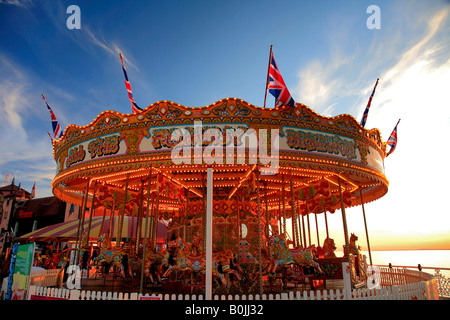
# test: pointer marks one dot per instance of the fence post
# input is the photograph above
(133, 296)
(31, 291)
(395, 293)
(347, 281)
(74, 295)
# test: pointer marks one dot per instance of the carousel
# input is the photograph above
(239, 185)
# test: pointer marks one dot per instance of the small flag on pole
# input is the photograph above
(392, 141)
(134, 106)
(276, 85)
(366, 112)
(57, 132)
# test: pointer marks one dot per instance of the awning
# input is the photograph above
(67, 230)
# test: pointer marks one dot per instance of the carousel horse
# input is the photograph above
(329, 247)
(108, 254)
(188, 258)
(352, 247)
(222, 268)
(183, 258)
(359, 263)
(284, 256)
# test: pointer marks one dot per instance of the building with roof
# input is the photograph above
(20, 213)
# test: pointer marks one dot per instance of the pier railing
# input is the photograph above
(47, 278)
(395, 275)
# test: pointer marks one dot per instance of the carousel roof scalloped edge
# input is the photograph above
(241, 112)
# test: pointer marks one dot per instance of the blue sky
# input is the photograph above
(197, 52)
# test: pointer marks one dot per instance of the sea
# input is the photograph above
(412, 258)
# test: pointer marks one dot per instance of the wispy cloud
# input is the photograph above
(18, 99)
(415, 89)
(110, 47)
(87, 38)
(19, 3)
(320, 84)
(418, 78)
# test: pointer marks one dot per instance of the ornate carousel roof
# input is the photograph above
(314, 152)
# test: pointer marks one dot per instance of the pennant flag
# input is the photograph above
(366, 112)
(276, 85)
(134, 106)
(392, 141)
(57, 132)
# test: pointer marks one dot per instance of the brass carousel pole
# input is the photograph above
(365, 225)
(344, 218)
(239, 216)
(91, 211)
(279, 214)
(304, 231)
(122, 214)
(150, 216)
(139, 220)
(155, 219)
(317, 230)
(111, 220)
(103, 221)
(267, 211)
(326, 221)
(294, 217)
(299, 224)
(81, 221)
(309, 230)
(186, 219)
(79, 227)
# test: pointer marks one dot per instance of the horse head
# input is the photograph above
(329, 247)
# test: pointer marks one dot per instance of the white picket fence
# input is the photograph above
(47, 278)
(402, 292)
(396, 284)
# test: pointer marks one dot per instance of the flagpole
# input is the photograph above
(267, 81)
(366, 111)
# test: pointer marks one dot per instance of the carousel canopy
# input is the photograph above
(293, 144)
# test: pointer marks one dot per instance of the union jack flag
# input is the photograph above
(366, 112)
(57, 132)
(277, 87)
(392, 141)
(134, 106)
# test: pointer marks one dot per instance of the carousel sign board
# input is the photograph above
(21, 270)
(312, 141)
(100, 147)
(299, 141)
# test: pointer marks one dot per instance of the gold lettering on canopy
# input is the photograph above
(104, 146)
(76, 154)
(314, 141)
(162, 138)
